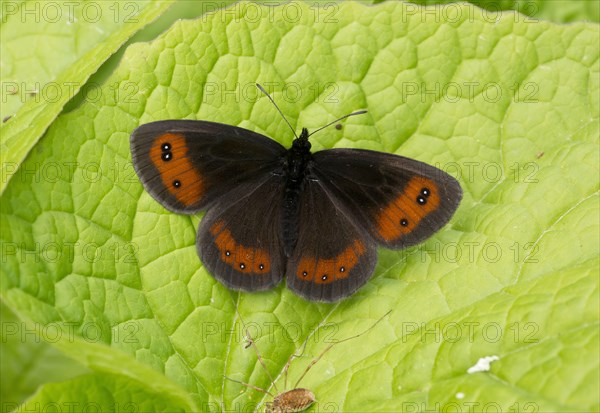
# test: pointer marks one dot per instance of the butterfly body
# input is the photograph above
(296, 160)
(315, 217)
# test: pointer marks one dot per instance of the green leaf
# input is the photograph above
(508, 106)
(101, 392)
(38, 81)
(27, 360)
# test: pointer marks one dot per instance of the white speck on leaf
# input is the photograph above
(483, 364)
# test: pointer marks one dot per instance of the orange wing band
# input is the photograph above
(178, 174)
(247, 260)
(325, 271)
(402, 215)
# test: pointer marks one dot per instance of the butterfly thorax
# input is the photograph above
(298, 157)
(296, 161)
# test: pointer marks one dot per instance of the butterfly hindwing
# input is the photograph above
(333, 256)
(398, 201)
(239, 238)
(186, 165)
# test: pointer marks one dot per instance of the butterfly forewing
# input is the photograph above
(187, 165)
(398, 201)
(334, 256)
(239, 240)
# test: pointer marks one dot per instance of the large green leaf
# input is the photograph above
(508, 106)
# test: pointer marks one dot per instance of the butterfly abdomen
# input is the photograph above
(290, 217)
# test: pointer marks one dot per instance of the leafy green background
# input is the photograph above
(107, 304)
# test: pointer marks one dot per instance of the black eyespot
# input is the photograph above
(262, 267)
(425, 192)
(324, 277)
(421, 200)
(404, 222)
(177, 183)
(166, 147)
(166, 156)
(228, 253)
(342, 269)
(304, 273)
(242, 266)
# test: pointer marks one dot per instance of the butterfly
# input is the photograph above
(270, 211)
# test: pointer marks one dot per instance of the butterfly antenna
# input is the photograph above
(360, 112)
(277, 107)
(253, 344)
(316, 360)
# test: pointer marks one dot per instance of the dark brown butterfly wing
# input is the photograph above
(398, 201)
(186, 165)
(239, 238)
(334, 256)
